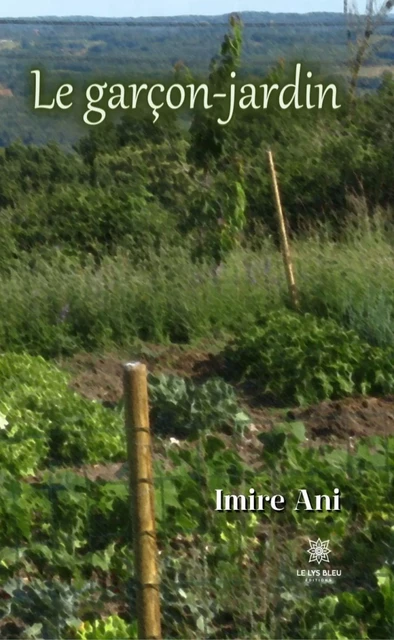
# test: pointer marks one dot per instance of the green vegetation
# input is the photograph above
(112, 627)
(69, 533)
(166, 234)
(182, 408)
(53, 305)
(304, 359)
(49, 424)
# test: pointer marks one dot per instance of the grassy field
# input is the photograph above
(72, 306)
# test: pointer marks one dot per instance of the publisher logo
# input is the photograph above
(318, 551)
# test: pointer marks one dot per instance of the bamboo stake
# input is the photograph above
(142, 500)
(283, 237)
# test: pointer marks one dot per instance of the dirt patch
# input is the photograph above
(352, 417)
(100, 378)
(337, 421)
(96, 378)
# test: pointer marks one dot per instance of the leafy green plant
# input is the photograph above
(181, 407)
(112, 627)
(48, 423)
(46, 608)
(305, 359)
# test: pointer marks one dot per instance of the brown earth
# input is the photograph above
(100, 378)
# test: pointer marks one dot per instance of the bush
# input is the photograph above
(307, 359)
(97, 221)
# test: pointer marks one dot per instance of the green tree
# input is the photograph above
(218, 211)
(207, 136)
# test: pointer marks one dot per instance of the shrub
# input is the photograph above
(308, 359)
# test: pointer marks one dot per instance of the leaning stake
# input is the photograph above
(283, 237)
(142, 500)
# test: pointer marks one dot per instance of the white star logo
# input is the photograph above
(318, 551)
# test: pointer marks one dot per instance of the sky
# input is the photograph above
(140, 8)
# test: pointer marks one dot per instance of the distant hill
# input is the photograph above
(81, 47)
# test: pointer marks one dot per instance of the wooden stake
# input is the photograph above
(283, 237)
(142, 500)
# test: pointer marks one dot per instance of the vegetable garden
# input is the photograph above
(66, 557)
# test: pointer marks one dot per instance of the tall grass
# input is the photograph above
(350, 279)
(59, 306)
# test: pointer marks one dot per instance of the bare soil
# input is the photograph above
(100, 378)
